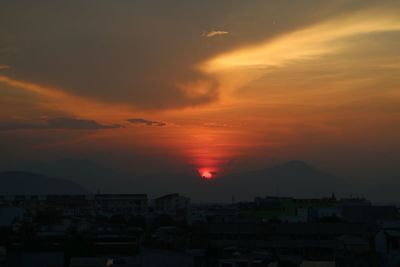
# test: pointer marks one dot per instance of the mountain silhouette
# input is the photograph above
(293, 178)
(92, 175)
(20, 182)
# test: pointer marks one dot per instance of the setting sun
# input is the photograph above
(206, 174)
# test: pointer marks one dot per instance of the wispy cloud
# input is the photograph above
(57, 99)
(240, 67)
(4, 67)
(146, 122)
(306, 43)
(59, 123)
(214, 33)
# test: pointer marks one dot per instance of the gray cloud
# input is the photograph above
(59, 123)
(146, 122)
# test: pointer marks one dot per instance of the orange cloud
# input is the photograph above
(59, 100)
(303, 44)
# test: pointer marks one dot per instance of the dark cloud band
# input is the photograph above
(60, 123)
(146, 122)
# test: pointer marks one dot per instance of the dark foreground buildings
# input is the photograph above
(132, 230)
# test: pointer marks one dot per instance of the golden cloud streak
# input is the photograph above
(59, 100)
(303, 44)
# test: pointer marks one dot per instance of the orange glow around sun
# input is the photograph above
(206, 173)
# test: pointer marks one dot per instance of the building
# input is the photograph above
(8, 216)
(121, 204)
(360, 210)
(237, 258)
(29, 259)
(70, 205)
(387, 243)
(31, 203)
(172, 204)
(317, 241)
(291, 210)
(80, 205)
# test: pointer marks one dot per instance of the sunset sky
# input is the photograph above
(215, 87)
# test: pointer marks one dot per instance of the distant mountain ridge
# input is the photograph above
(293, 178)
(29, 183)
